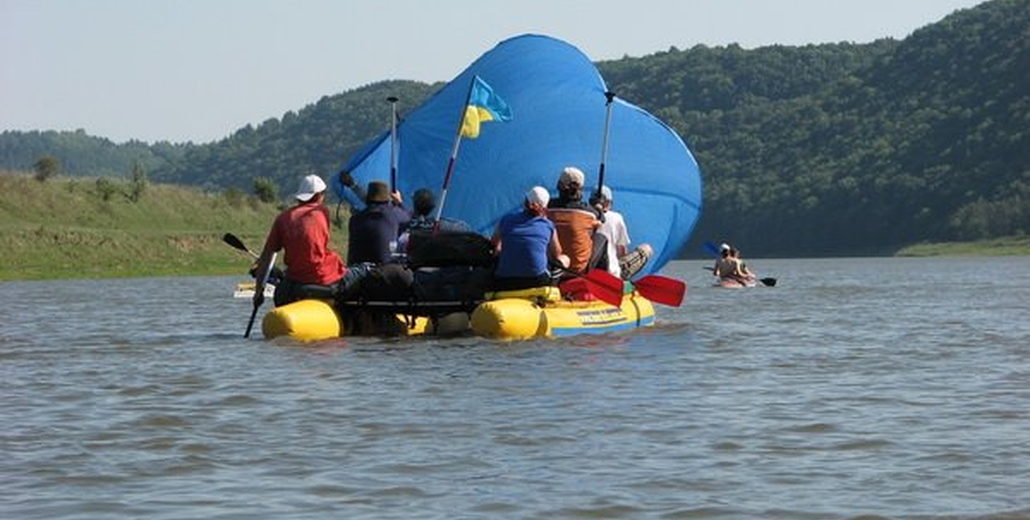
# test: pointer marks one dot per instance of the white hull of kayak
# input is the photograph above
(246, 290)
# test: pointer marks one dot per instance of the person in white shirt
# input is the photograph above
(621, 261)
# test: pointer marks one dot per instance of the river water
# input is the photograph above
(854, 388)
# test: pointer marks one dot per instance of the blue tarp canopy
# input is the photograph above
(558, 105)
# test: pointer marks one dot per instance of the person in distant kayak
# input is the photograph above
(621, 261)
(303, 231)
(742, 269)
(725, 266)
(730, 267)
(526, 243)
(575, 220)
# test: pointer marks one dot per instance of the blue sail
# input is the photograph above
(558, 106)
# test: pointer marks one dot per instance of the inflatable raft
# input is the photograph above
(510, 315)
(543, 313)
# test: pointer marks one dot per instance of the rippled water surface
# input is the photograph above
(895, 388)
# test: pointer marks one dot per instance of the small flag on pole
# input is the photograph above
(484, 105)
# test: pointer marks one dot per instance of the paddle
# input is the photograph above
(609, 96)
(607, 287)
(661, 289)
(393, 143)
(711, 249)
(234, 241)
(259, 292)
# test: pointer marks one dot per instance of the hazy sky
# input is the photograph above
(197, 70)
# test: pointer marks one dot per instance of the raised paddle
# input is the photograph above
(393, 143)
(235, 242)
(609, 96)
(661, 289)
(711, 249)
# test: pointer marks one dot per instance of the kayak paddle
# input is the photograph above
(603, 285)
(235, 242)
(259, 293)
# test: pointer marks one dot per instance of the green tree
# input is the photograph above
(138, 182)
(46, 167)
(105, 188)
(265, 190)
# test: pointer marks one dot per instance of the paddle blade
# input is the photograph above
(234, 241)
(711, 249)
(661, 289)
(605, 286)
(768, 282)
(250, 324)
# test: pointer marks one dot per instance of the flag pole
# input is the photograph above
(610, 96)
(454, 154)
(393, 142)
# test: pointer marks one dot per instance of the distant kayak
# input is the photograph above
(732, 282)
(246, 290)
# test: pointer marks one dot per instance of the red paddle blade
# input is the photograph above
(605, 286)
(661, 289)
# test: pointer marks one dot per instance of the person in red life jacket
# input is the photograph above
(575, 220)
(526, 244)
(303, 231)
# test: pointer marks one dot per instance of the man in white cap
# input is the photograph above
(525, 242)
(303, 231)
(621, 261)
(574, 219)
(726, 266)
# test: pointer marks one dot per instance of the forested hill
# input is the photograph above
(816, 150)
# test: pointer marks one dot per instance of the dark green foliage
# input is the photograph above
(265, 190)
(46, 167)
(105, 188)
(318, 138)
(821, 149)
(853, 149)
(138, 182)
(82, 155)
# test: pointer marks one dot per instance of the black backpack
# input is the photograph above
(449, 248)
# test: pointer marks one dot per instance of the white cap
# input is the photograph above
(606, 193)
(309, 187)
(724, 247)
(571, 175)
(538, 195)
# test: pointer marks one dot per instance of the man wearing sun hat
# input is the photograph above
(303, 231)
(373, 232)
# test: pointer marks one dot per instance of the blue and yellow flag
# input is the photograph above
(484, 105)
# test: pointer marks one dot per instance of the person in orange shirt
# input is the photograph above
(575, 220)
(303, 231)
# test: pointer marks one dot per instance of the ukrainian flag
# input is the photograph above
(484, 105)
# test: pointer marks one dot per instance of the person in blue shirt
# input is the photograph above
(526, 243)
